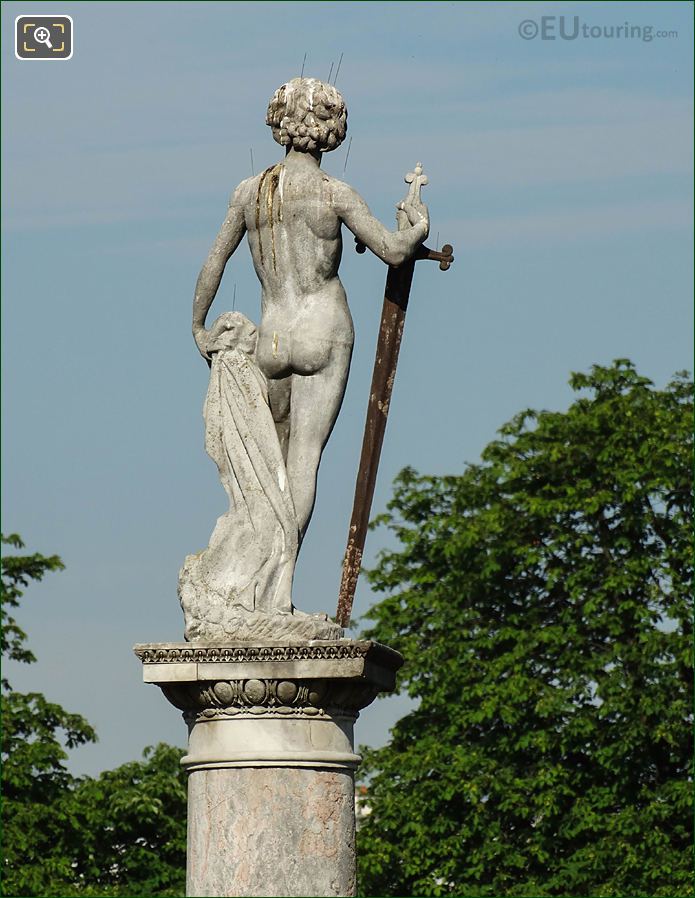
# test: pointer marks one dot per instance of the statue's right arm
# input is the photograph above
(393, 247)
(232, 230)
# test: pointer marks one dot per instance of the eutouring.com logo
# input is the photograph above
(570, 28)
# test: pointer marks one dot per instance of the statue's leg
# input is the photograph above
(316, 401)
(279, 399)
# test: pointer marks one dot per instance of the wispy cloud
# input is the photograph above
(605, 136)
(552, 227)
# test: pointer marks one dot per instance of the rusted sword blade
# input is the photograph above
(396, 296)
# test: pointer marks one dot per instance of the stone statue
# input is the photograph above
(274, 396)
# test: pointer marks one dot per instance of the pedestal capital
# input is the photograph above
(290, 704)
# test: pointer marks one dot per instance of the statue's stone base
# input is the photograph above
(271, 759)
(205, 623)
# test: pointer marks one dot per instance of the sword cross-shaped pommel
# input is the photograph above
(417, 180)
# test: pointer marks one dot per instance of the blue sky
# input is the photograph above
(561, 171)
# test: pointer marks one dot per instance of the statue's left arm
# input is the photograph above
(232, 230)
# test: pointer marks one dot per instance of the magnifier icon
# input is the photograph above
(43, 36)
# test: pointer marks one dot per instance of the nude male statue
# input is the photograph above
(292, 214)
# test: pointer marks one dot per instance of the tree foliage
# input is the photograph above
(542, 603)
(17, 572)
(34, 732)
(133, 823)
(123, 833)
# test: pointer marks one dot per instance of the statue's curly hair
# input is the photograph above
(307, 114)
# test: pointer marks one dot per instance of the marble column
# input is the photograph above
(271, 759)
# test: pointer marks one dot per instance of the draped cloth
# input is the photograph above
(248, 565)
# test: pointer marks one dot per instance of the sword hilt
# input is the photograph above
(444, 256)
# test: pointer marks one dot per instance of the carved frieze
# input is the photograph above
(201, 700)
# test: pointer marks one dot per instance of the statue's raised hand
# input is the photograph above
(416, 213)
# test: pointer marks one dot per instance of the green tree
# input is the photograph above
(37, 815)
(123, 833)
(133, 824)
(542, 601)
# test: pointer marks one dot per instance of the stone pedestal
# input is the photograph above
(271, 759)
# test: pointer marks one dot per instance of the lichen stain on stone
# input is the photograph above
(270, 197)
(261, 181)
(270, 180)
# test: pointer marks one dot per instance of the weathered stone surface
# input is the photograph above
(209, 618)
(288, 832)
